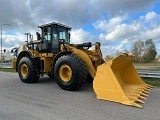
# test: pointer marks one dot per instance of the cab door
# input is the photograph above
(55, 42)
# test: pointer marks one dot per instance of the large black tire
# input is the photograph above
(70, 72)
(26, 70)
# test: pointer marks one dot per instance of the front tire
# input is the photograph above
(70, 72)
(26, 70)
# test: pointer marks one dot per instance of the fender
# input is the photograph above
(21, 55)
(59, 55)
(84, 56)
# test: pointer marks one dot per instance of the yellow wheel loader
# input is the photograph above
(71, 65)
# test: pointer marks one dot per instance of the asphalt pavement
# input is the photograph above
(46, 101)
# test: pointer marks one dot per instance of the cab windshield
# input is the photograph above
(60, 33)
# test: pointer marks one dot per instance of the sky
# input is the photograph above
(116, 24)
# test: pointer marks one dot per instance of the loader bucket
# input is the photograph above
(118, 81)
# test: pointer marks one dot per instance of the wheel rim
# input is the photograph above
(24, 70)
(65, 73)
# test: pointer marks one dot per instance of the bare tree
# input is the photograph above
(138, 50)
(144, 51)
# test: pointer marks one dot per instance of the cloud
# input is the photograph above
(152, 33)
(13, 40)
(109, 25)
(119, 48)
(152, 18)
(116, 29)
(111, 20)
(80, 36)
(126, 41)
(71, 12)
(113, 49)
(28, 14)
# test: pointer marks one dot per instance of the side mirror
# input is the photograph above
(38, 36)
(69, 36)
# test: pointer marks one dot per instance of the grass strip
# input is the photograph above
(7, 70)
(152, 81)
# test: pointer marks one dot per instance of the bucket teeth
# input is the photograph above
(138, 95)
(144, 94)
(137, 105)
(137, 100)
(150, 86)
(147, 86)
(143, 98)
(144, 88)
(148, 89)
(140, 101)
(144, 91)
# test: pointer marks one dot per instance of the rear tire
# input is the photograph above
(26, 70)
(70, 72)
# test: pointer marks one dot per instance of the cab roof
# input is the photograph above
(55, 24)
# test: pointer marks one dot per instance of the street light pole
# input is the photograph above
(1, 42)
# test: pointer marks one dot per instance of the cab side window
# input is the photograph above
(62, 35)
(47, 33)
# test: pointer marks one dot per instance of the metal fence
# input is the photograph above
(149, 74)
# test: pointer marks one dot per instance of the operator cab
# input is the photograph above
(53, 34)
